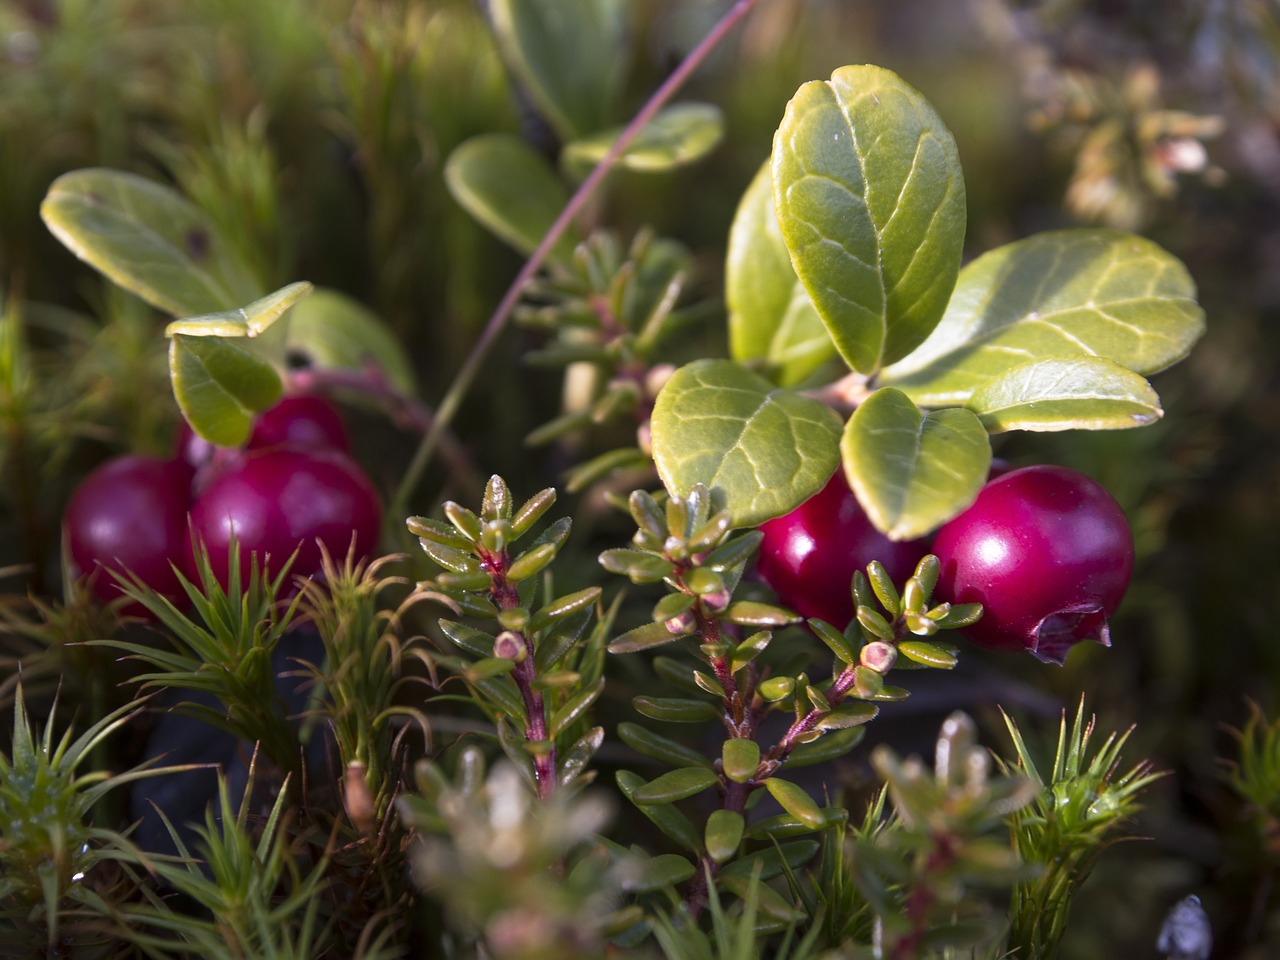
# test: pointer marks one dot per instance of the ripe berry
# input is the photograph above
(1047, 552)
(303, 420)
(130, 514)
(810, 555)
(285, 498)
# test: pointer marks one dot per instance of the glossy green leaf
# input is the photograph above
(761, 450)
(794, 799)
(675, 709)
(784, 825)
(768, 901)
(663, 815)
(657, 747)
(645, 637)
(655, 873)
(575, 707)
(773, 861)
(149, 239)
(723, 834)
(849, 714)
(927, 654)
(1066, 393)
(680, 134)
(740, 758)
(675, 785)
(570, 56)
(245, 321)
(833, 745)
(754, 613)
(219, 386)
(770, 315)
(330, 330)
(1070, 292)
(870, 200)
(510, 188)
(911, 471)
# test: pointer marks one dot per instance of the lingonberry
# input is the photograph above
(302, 420)
(1047, 552)
(287, 498)
(129, 515)
(810, 555)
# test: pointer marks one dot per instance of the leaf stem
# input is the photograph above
(452, 400)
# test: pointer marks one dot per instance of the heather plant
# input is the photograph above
(565, 712)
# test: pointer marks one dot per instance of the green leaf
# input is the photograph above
(574, 707)
(511, 189)
(246, 321)
(740, 758)
(1071, 292)
(870, 199)
(569, 56)
(680, 134)
(926, 653)
(675, 709)
(148, 239)
(654, 873)
(796, 801)
(657, 747)
(761, 450)
(645, 637)
(849, 714)
(773, 861)
(219, 385)
(912, 471)
(1066, 393)
(723, 834)
(834, 744)
(675, 785)
(770, 315)
(331, 331)
(664, 816)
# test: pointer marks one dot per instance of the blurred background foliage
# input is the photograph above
(315, 133)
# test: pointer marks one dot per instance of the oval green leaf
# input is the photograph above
(740, 758)
(245, 321)
(871, 202)
(511, 189)
(655, 873)
(770, 315)
(148, 239)
(219, 386)
(773, 861)
(794, 799)
(657, 747)
(1069, 292)
(570, 57)
(663, 815)
(675, 785)
(675, 709)
(331, 331)
(1066, 393)
(760, 449)
(912, 471)
(723, 834)
(680, 134)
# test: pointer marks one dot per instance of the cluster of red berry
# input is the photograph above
(292, 486)
(1045, 550)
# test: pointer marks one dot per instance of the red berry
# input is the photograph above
(304, 420)
(130, 514)
(1047, 552)
(810, 555)
(285, 498)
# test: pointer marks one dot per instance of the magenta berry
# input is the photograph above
(303, 420)
(810, 555)
(285, 498)
(1047, 552)
(130, 514)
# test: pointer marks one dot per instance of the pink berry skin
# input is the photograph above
(285, 498)
(809, 555)
(129, 514)
(1047, 552)
(302, 420)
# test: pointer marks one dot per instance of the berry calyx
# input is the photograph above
(1047, 552)
(809, 556)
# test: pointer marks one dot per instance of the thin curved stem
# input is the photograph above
(497, 322)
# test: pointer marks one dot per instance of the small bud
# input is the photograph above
(510, 646)
(878, 656)
(657, 378)
(717, 602)
(681, 624)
